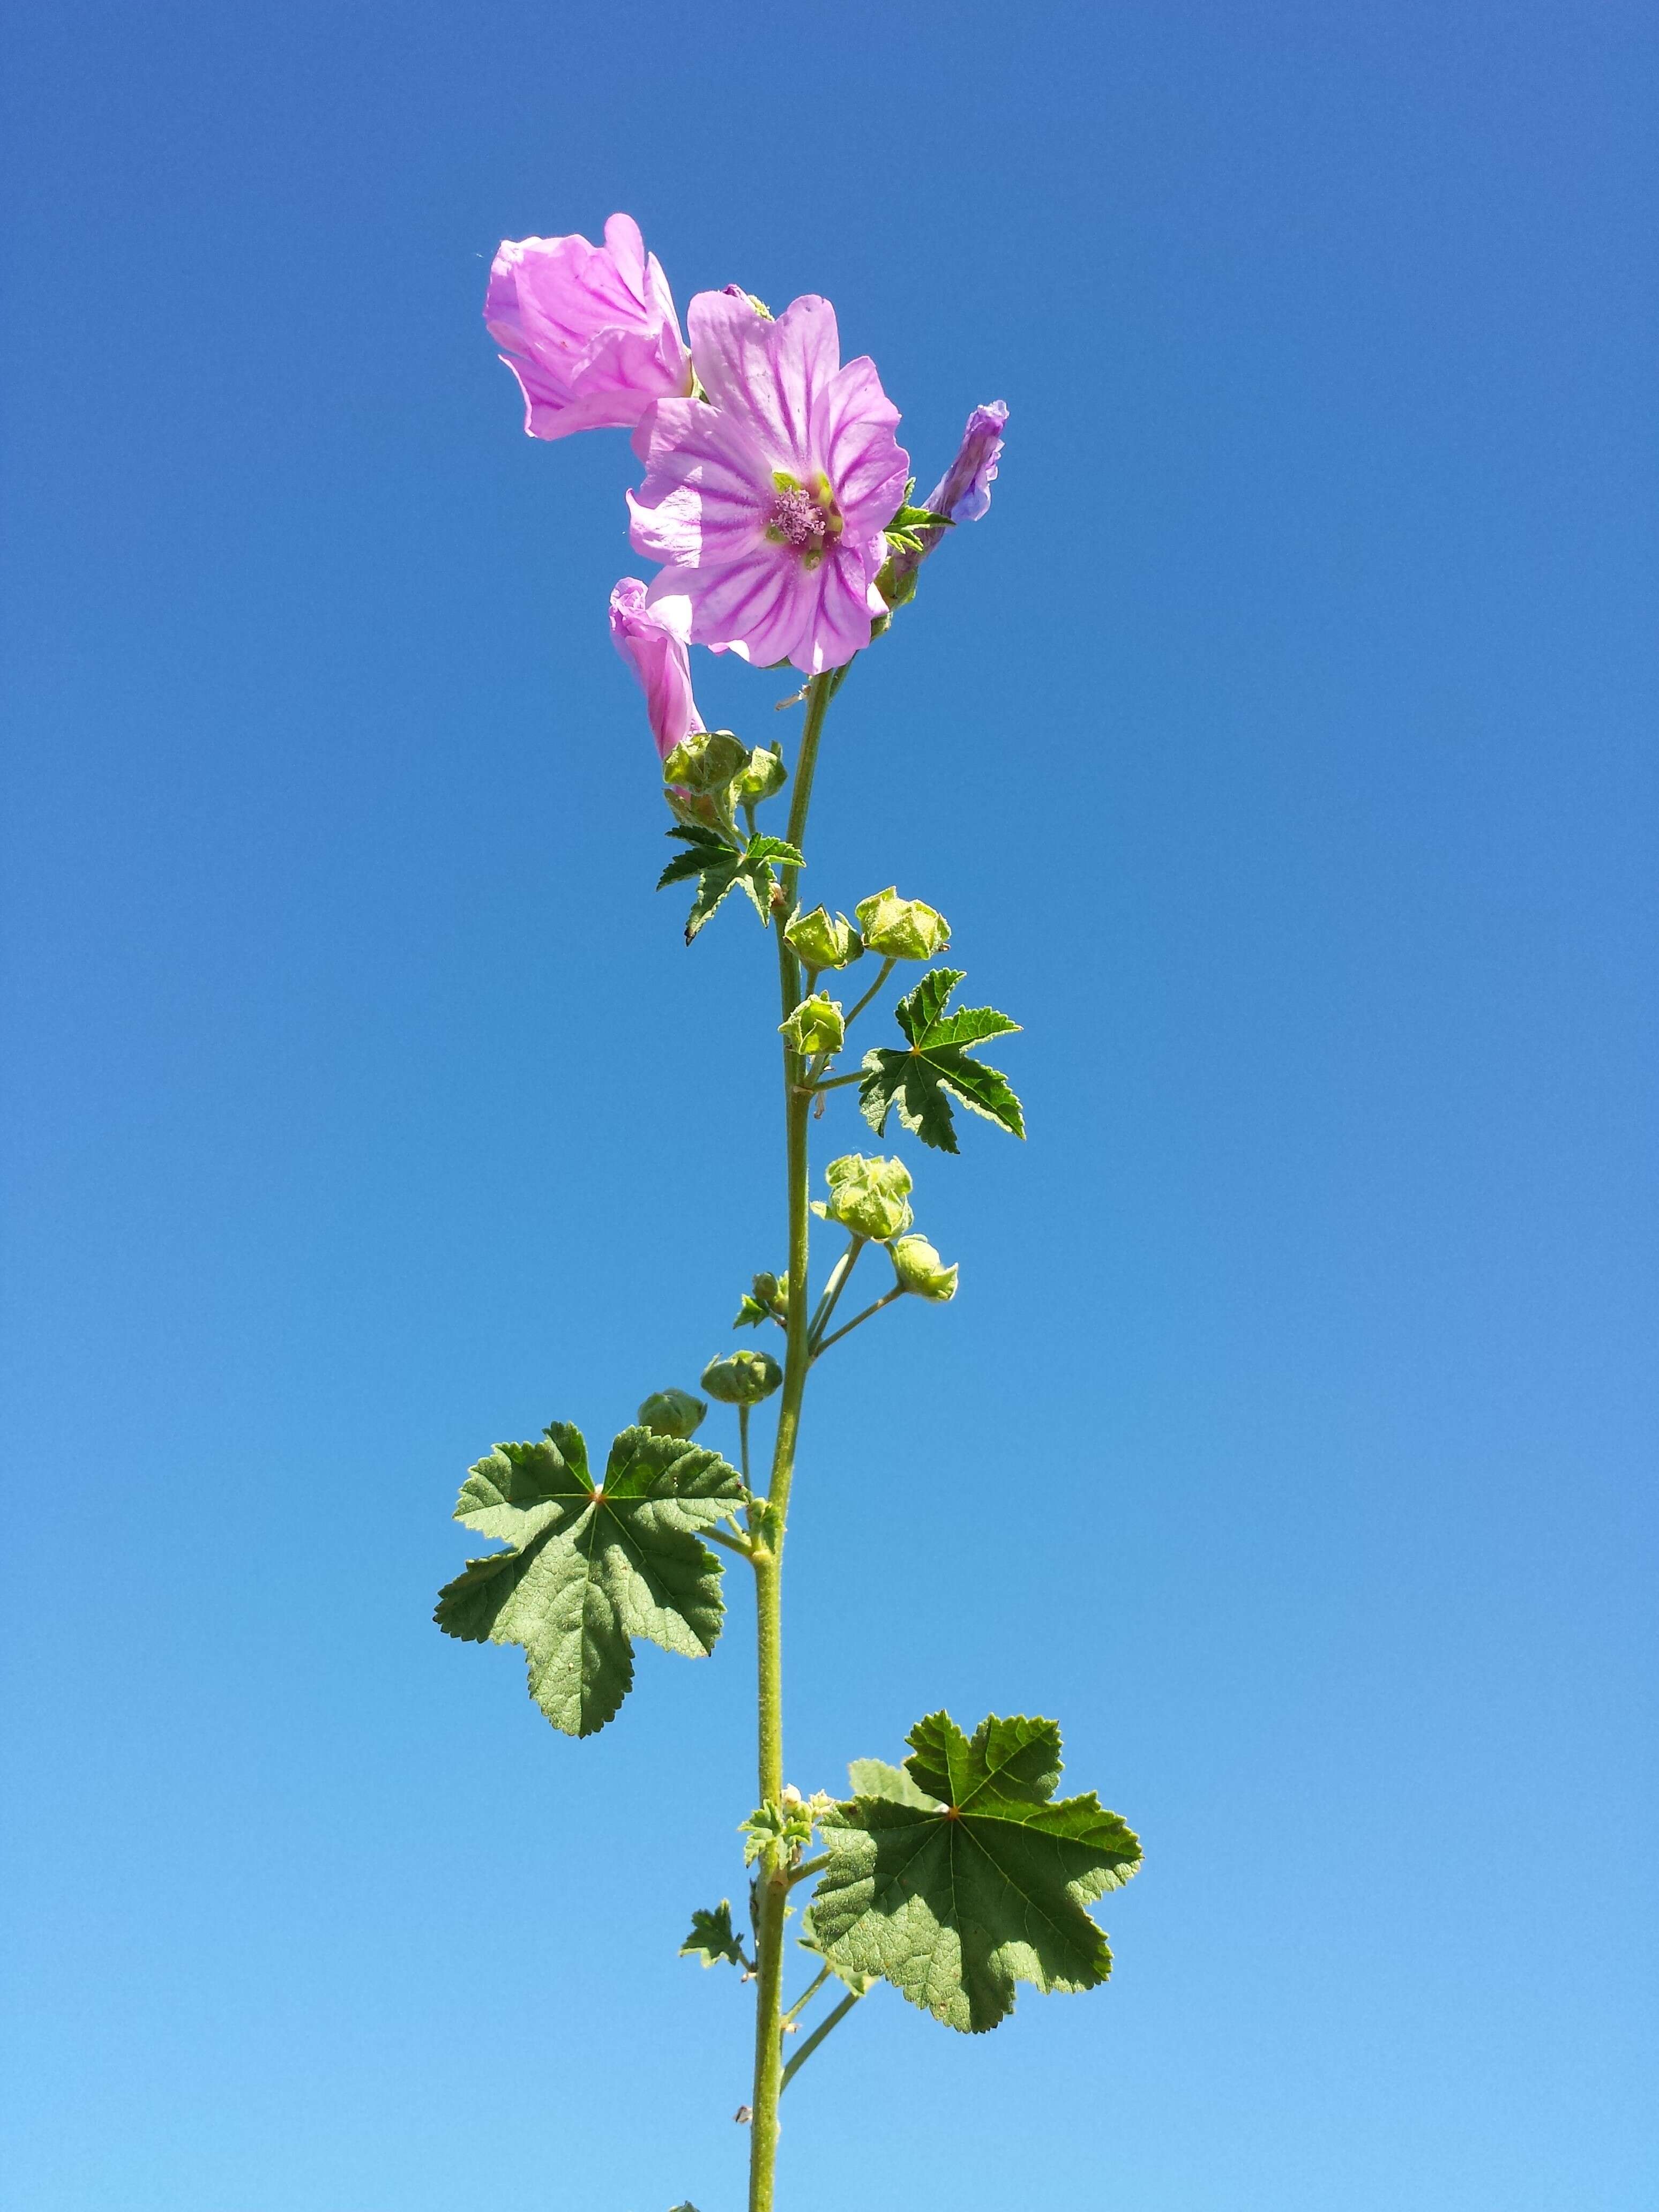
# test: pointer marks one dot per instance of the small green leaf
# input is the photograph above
(920, 1081)
(707, 850)
(721, 867)
(713, 1938)
(775, 848)
(920, 518)
(591, 1566)
(963, 1876)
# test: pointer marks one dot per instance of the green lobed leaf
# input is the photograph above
(591, 1566)
(712, 1937)
(721, 867)
(961, 1876)
(919, 1082)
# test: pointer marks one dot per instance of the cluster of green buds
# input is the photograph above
(868, 1196)
(897, 928)
(712, 771)
(871, 1199)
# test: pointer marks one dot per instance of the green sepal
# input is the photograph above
(920, 1081)
(590, 1565)
(722, 866)
(961, 1875)
(905, 528)
(713, 1939)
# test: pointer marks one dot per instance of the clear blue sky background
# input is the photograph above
(1281, 748)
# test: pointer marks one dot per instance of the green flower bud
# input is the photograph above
(673, 1414)
(816, 1025)
(868, 1196)
(821, 943)
(920, 1268)
(705, 762)
(768, 1300)
(902, 929)
(764, 775)
(742, 1378)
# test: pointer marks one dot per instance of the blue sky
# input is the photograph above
(1281, 748)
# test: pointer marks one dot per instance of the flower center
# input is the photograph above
(802, 516)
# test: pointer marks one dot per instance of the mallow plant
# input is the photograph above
(777, 505)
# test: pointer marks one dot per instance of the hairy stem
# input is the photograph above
(887, 968)
(773, 1885)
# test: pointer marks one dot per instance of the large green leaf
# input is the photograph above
(936, 1067)
(961, 1875)
(590, 1565)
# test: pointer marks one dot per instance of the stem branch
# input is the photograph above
(847, 1328)
(830, 2021)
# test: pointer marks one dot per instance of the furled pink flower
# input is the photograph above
(769, 504)
(590, 332)
(652, 640)
(964, 492)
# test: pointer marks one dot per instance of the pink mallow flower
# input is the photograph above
(769, 503)
(590, 332)
(652, 640)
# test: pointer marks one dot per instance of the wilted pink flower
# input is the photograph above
(769, 504)
(590, 332)
(652, 640)
(964, 492)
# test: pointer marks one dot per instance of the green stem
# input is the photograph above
(837, 1082)
(830, 2021)
(837, 1284)
(767, 1556)
(739, 1544)
(743, 1443)
(846, 1328)
(887, 968)
(807, 1996)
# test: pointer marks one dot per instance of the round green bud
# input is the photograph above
(868, 1196)
(772, 1291)
(902, 929)
(673, 1414)
(742, 1378)
(920, 1269)
(815, 1026)
(764, 775)
(821, 943)
(705, 762)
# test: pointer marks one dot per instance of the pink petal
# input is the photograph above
(766, 375)
(707, 491)
(853, 433)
